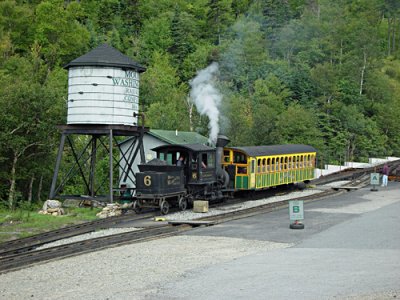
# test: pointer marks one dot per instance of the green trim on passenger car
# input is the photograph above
(242, 182)
(266, 180)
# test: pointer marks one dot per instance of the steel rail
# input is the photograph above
(21, 260)
(32, 242)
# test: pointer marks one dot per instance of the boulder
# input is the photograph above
(51, 204)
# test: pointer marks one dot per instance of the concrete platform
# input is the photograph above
(350, 248)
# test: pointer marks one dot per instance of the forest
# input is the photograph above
(318, 72)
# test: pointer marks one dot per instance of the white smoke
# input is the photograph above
(207, 98)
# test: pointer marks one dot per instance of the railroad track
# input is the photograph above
(352, 174)
(21, 260)
(22, 257)
(17, 260)
(32, 242)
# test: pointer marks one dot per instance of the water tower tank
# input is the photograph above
(103, 88)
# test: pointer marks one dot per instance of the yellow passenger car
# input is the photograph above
(261, 167)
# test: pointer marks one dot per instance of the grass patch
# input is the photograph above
(23, 223)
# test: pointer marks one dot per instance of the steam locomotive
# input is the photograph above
(182, 174)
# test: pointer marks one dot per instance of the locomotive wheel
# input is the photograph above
(183, 203)
(136, 206)
(164, 207)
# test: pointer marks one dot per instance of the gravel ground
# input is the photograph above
(126, 272)
(134, 271)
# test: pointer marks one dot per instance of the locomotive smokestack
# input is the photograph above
(222, 141)
(222, 175)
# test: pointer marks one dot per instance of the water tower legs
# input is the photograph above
(111, 198)
(95, 146)
(57, 167)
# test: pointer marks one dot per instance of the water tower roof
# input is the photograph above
(105, 56)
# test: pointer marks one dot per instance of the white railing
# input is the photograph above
(329, 169)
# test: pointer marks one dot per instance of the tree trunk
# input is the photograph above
(11, 192)
(39, 195)
(389, 35)
(363, 71)
(13, 179)
(394, 34)
(30, 190)
(190, 110)
(351, 146)
(219, 34)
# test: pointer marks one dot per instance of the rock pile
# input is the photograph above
(111, 210)
(52, 207)
(82, 203)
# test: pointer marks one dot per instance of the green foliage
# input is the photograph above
(297, 125)
(199, 59)
(238, 125)
(244, 55)
(58, 32)
(161, 116)
(26, 221)
(160, 83)
(183, 35)
(155, 37)
(14, 20)
(324, 73)
(219, 17)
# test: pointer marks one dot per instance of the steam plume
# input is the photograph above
(207, 98)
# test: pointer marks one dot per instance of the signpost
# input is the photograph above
(296, 214)
(374, 181)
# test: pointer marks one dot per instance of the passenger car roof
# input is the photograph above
(274, 149)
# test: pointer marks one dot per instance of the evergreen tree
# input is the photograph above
(219, 17)
(183, 35)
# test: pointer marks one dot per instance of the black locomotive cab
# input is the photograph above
(196, 160)
(178, 175)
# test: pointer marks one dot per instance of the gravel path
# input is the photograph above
(134, 271)
(127, 272)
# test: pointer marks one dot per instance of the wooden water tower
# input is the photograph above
(103, 105)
